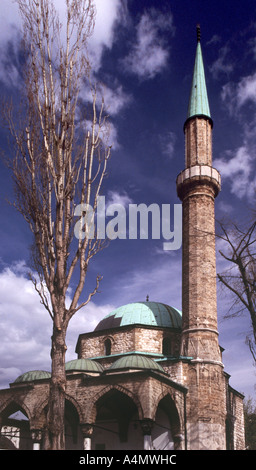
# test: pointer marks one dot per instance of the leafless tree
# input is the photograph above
(240, 275)
(58, 164)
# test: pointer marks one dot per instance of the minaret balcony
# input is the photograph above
(198, 174)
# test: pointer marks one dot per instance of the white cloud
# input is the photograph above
(246, 90)
(115, 98)
(85, 320)
(237, 167)
(26, 326)
(229, 98)
(167, 143)
(236, 95)
(9, 19)
(108, 133)
(108, 14)
(214, 40)
(10, 39)
(222, 65)
(149, 54)
(114, 197)
(224, 207)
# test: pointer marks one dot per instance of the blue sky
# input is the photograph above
(143, 52)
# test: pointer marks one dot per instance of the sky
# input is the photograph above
(143, 53)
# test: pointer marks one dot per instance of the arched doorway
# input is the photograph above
(73, 435)
(166, 429)
(117, 423)
(15, 430)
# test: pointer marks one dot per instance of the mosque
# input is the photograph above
(149, 377)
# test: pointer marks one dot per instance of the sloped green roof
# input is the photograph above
(142, 313)
(83, 365)
(135, 361)
(33, 375)
(198, 102)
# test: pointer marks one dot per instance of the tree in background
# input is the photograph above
(240, 275)
(250, 424)
(58, 164)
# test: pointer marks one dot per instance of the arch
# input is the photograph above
(73, 435)
(40, 409)
(73, 419)
(76, 405)
(168, 406)
(43, 405)
(15, 430)
(12, 405)
(93, 411)
(173, 397)
(116, 422)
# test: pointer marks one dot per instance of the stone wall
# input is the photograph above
(129, 339)
(206, 407)
(239, 438)
(198, 142)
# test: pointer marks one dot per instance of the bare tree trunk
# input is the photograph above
(56, 407)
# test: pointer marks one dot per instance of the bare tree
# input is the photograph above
(240, 276)
(58, 164)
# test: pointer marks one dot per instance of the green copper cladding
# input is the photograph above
(198, 102)
(142, 313)
(33, 375)
(83, 365)
(136, 362)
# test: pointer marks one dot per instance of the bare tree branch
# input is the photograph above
(240, 276)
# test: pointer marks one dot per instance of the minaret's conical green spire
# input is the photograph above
(198, 102)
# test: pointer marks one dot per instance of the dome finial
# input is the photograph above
(198, 32)
(147, 298)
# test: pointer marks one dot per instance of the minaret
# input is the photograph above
(197, 187)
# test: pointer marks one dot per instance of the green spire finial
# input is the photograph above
(198, 103)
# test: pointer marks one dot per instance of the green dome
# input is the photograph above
(142, 313)
(33, 375)
(83, 365)
(136, 361)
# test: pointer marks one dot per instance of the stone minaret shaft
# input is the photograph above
(197, 187)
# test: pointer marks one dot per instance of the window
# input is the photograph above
(107, 347)
(167, 347)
